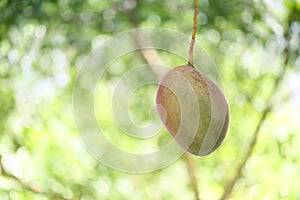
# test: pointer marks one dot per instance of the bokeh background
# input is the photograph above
(255, 45)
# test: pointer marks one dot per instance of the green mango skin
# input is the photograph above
(193, 109)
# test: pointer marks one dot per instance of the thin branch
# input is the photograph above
(5, 173)
(151, 56)
(28, 187)
(229, 187)
(269, 107)
(192, 174)
(231, 184)
(193, 33)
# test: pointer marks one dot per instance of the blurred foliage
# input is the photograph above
(42, 46)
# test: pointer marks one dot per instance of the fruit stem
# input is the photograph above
(193, 33)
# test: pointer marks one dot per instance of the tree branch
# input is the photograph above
(31, 188)
(151, 56)
(229, 187)
(192, 174)
(269, 107)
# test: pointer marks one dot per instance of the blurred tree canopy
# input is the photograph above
(254, 43)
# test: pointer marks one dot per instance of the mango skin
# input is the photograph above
(193, 109)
